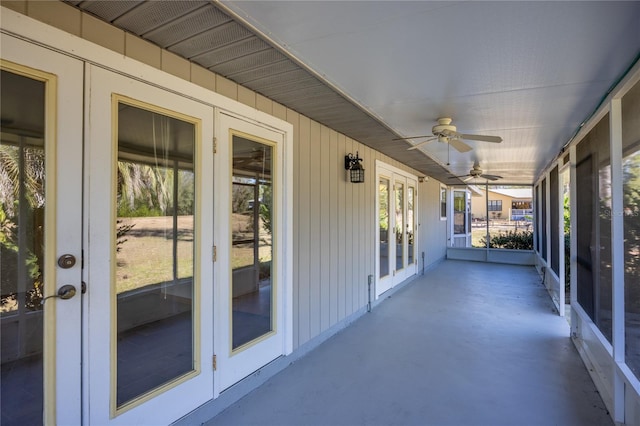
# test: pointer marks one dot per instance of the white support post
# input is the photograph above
(560, 230)
(547, 215)
(573, 208)
(617, 255)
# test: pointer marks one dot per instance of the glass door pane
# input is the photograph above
(22, 207)
(459, 212)
(411, 225)
(399, 228)
(252, 242)
(154, 248)
(383, 224)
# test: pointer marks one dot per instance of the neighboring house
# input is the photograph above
(502, 203)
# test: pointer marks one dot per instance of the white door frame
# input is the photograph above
(395, 277)
(63, 151)
(465, 238)
(234, 365)
(167, 402)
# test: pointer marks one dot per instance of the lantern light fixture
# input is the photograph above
(356, 171)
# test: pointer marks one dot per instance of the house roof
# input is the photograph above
(516, 193)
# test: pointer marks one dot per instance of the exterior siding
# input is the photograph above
(479, 206)
(333, 221)
(432, 232)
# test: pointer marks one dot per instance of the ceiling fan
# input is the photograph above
(254, 159)
(445, 132)
(476, 172)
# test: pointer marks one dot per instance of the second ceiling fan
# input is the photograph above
(476, 172)
(445, 132)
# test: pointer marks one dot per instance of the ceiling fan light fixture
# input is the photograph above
(445, 132)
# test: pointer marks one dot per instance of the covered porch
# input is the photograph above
(467, 343)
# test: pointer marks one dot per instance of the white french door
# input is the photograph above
(396, 228)
(40, 234)
(251, 250)
(149, 162)
(461, 213)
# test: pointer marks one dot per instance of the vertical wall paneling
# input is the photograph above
(280, 111)
(349, 207)
(226, 87)
(342, 228)
(304, 230)
(325, 226)
(369, 215)
(334, 243)
(432, 232)
(314, 229)
(294, 118)
(264, 104)
(358, 235)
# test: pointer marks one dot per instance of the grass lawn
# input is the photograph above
(147, 255)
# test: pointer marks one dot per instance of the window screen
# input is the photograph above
(554, 219)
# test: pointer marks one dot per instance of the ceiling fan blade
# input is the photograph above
(418, 145)
(412, 137)
(482, 138)
(471, 177)
(491, 177)
(458, 177)
(459, 145)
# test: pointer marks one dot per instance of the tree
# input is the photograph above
(22, 195)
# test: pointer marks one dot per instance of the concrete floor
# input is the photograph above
(466, 344)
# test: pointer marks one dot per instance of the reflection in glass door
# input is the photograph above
(251, 310)
(383, 224)
(22, 231)
(154, 248)
(40, 334)
(252, 241)
(411, 224)
(461, 219)
(399, 225)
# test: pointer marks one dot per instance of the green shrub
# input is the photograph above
(517, 240)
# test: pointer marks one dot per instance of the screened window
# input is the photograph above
(631, 223)
(504, 221)
(593, 216)
(443, 203)
(543, 219)
(536, 222)
(554, 206)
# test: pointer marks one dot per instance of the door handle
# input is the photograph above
(65, 292)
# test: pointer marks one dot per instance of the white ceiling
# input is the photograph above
(530, 72)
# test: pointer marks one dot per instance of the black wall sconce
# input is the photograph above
(356, 171)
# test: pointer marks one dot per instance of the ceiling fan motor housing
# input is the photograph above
(443, 128)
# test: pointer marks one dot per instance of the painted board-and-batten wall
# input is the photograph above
(334, 220)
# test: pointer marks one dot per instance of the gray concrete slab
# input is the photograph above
(467, 344)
